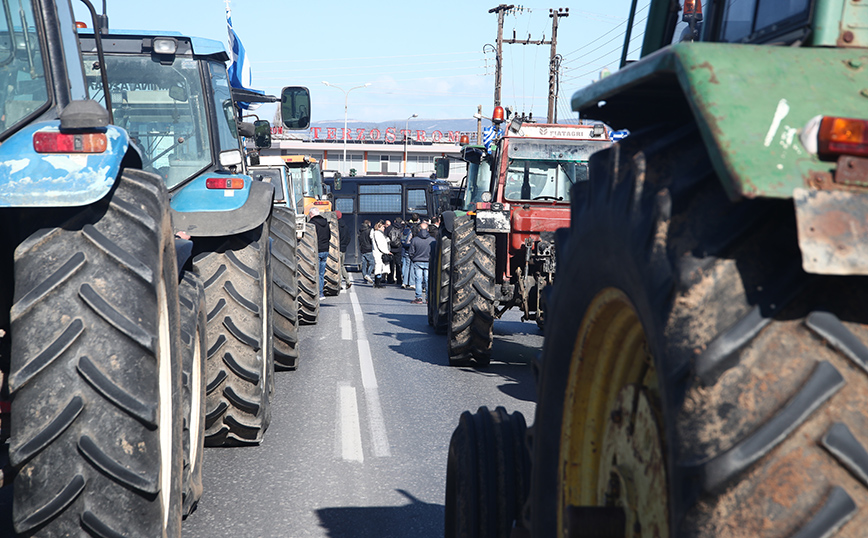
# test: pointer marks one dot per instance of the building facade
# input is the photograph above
(374, 149)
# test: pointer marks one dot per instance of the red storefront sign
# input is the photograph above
(390, 135)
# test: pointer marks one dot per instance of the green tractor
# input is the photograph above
(705, 369)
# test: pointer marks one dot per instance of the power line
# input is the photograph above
(601, 57)
(624, 22)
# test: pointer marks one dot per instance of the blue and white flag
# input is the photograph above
(619, 135)
(240, 72)
(488, 136)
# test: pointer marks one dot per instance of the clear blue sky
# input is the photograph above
(422, 58)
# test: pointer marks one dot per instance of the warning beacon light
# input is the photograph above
(497, 115)
(463, 140)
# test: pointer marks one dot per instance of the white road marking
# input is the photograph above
(351, 432)
(346, 326)
(376, 422)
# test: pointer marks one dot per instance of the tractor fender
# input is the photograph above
(752, 105)
(31, 179)
(205, 212)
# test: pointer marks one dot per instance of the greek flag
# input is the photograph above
(240, 73)
(488, 136)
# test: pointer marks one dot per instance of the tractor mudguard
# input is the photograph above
(749, 101)
(31, 179)
(203, 212)
(183, 253)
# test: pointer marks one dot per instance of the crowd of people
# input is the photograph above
(397, 253)
(392, 253)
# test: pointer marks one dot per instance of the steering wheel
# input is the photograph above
(180, 140)
(547, 197)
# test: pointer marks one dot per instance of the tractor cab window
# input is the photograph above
(758, 21)
(542, 170)
(478, 181)
(23, 85)
(162, 107)
(227, 128)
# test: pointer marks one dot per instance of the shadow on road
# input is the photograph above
(417, 519)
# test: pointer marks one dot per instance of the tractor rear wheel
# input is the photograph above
(471, 289)
(487, 474)
(438, 285)
(193, 325)
(237, 278)
(95, 377)
(695, 382)
(285, 276)
(308, 277)
(333, 263)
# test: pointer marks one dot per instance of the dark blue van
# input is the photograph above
(376, 198)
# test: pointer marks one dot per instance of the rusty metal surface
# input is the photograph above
(833, 231)
(852, 171)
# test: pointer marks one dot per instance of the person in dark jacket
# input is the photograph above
(323, 235)
(420, 248)
(366, 250)
(410, 228)
(393, 235)
(344, 235)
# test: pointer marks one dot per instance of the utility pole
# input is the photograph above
(479, 124)
(498, 61)
(554, 64)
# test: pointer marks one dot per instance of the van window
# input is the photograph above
(380, 198)
(416, 202)
(345, 205)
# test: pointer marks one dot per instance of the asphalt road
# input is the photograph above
(359, 433)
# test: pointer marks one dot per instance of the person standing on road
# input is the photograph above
(381, 248)
(406, 237)
(393, 234)
(365, 248)
(344, 235)
(321, 225)
(420, 248)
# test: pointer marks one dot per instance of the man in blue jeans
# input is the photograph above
(420, 247)
(321, 225)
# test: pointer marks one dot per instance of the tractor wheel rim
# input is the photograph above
(610, 362)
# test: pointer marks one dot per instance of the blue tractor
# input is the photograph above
(90, 344)
(172, 94)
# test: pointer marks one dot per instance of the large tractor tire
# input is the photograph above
(471, 295)
(285, 275)
(95, 377)
(308, 277)
(487, 474)
(438, 285)
(695, 382)
(237, 277)
(333, 263)
(193, 327)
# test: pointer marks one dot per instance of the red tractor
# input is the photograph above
(497, 252)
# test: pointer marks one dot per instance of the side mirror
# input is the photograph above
(337, 179)
(262, 134)
(441, 167)
(295, 107)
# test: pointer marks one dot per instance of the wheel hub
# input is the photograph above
(633, 461)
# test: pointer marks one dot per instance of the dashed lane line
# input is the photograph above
(351, 432)
(376, 422)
